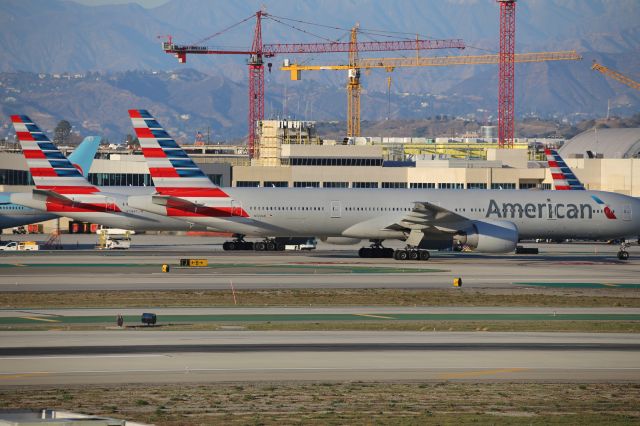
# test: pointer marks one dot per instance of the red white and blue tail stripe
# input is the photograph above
(50, 169)
(182, 187)
(171, 169)
(563, 177)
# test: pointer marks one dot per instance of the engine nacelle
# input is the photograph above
(340, 241)
(489, 236)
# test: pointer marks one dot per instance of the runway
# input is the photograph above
(141, 270)
(161, 357)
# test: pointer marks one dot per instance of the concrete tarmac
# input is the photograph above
(326, 268)
(167, 357)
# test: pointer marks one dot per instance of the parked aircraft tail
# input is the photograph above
(48, 166)
(563, 177)
(172, 171)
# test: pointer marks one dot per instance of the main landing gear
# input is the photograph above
(238, 243)
(268, 245)
(623, 254)
(411, 253)
(376, 250)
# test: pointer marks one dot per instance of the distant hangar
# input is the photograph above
(604, 143)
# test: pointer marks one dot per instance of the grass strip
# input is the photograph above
(277, 403)
(613, 297)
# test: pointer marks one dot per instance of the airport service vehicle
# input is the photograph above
(114, 239)
(20, 246)
(309, 245)
(488, 221)
(15, 215)
(61, 189)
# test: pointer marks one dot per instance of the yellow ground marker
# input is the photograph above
(464, 374)
(40, 319)
(373, 316)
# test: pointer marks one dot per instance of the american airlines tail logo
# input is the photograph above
(606, 209)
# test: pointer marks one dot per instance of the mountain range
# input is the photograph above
(115, 50)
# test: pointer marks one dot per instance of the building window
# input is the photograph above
(333, 161)
(503, 185)
(247, 184)
(422, 185)
(335, 184)
(120, 179)
(394, 184)
(528, 185)
(306, 184)
(546, 186)
(476, 185)
(450, 185)
(15, 177)
(275, 184)
(216, 179)
(364, 185)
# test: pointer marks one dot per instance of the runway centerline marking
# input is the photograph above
(373, 316)
(40, 319)
(481, 373)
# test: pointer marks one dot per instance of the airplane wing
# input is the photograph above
(426, 216)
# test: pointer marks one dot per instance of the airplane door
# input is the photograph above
(626, 212)
(236, 208)
(336, 209)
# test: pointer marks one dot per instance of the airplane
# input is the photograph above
(61, 189)
(12, 215)
(489, 221)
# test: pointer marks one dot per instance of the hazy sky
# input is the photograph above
(145, 3)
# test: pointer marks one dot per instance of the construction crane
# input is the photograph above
(506, 74)
(615, 75)
(389, 64)
(259, 51)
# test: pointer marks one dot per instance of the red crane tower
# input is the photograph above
(259, 51)
(506, 76)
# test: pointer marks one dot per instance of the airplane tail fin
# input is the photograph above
(48, 166)
(563, 177)
(82, 156)
(172, 171)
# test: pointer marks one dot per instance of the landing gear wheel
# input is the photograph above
(259, 246)
(401, 255)
(623, 255)
(424, 255)
(271, 246)
(414, 255)
(225, 246)
(231, 245)
(279, 247)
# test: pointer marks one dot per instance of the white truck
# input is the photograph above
(20, 246)
(114, 239)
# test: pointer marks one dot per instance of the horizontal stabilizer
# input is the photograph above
(46, 195)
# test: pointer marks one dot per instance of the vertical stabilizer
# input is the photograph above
(563, 177)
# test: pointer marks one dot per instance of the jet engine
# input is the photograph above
(340, 241)
(489, 236)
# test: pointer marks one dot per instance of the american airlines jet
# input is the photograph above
(489, 221)
(17, 215)
(63, 191)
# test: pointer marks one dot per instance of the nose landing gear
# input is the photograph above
(623, 254)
